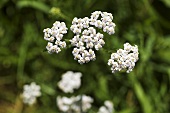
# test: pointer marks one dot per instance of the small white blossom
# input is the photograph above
(74, 104)
(95, 15)
(98, 24)
(30, 93)
(70, 81)
(107, 108)
(124, 58)
(54, 35)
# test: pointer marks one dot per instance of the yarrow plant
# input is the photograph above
(54, 36)
(87, 38)
(30, 93)
(70, 81)
(124, 58)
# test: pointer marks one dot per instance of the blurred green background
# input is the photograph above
(145, 23)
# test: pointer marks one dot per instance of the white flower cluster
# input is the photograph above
(86, 38)
(70, 81)
(98, 19)
(54, 36)
(83, 52)
(30, 93)
(104, 22)
(107, 108)
(124, 58)
(74, 104)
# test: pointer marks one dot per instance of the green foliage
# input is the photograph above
(145, 23)
(33, 4)
(166, 2)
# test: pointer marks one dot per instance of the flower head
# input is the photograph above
(86, 38)
(30, 93)
(70, 81)
(64, 103)
(103, 20)
(124, 58)
(54, 36)
(86, 102)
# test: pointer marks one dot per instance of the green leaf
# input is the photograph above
(34, 4)
(102, 90)
(23, 50)
(47, 89)
(166, 2)
(164, 55)
(128, 110)
(142, 97)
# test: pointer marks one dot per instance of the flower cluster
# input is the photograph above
(97, 19)
(86, 38)
(107, 108)
(78, 24)
(83, 52)
(74, 104)
(70, 81)
(54, 37)
(30, 93)
(124, 58)
(105, 22)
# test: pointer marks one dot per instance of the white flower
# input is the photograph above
(74, 104)
(64, 103)
(86, 36)
(95, 15)
(86, 102)
(105, 22)
(103, 109)
(70, 81)
(30, 93)
(98, 24)
(124, 58)
(84, 45)
(82, 102)
(107, 108)
(54, 36)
